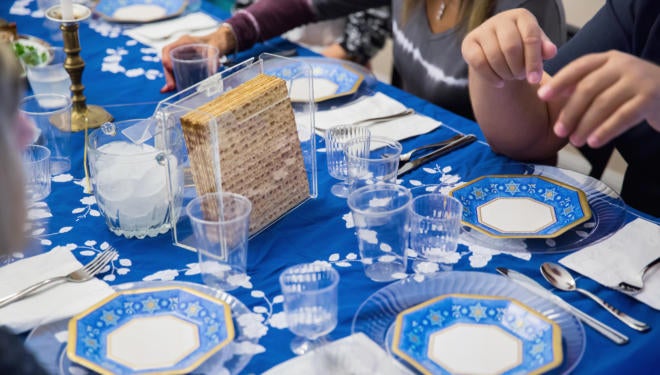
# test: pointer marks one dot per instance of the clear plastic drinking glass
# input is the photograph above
(310, 303)
(435, 224)
(51, 114)
(335, 140)
(50, 78)
(371, 161)
(380, 214)
(221, 222)
(36, 166)
(192, 63)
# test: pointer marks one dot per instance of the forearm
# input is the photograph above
(266, 19)
(269, 18)
(514, 120)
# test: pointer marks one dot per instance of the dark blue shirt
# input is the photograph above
(631, 26)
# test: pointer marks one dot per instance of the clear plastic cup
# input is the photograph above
(335, 141)
(51, 114)
(380, 214)
(192, 63)
(310, 303)
(221, 222)
(50, 78)
(371, 161)
(435, 224)
(36, 166)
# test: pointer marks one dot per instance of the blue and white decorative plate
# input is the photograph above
(165, 330)
(521, 206)
(139, 11)
(473, 334)
(330, 79)
(376, 316)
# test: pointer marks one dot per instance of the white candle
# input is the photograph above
(67, 10)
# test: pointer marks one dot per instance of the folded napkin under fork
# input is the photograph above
(59, 302)
(620, 257)
(376, 105)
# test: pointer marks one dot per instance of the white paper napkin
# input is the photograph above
(356, 354)
(59, 302)
(620, 257)
(373, 106)
(159, 34)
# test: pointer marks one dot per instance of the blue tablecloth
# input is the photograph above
(125, 77)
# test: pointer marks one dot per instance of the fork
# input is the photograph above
(634, 287)
(80, 275)
(406, 156)
(375, 120)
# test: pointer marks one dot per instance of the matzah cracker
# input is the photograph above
(259, 150)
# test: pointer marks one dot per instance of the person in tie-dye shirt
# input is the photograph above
(427, 36)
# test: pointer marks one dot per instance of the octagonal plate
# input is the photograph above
(474, 334)
(139, 11)
(331, 79)
(521, 206)
(164, 330)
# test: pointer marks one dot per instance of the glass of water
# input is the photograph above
(50, 78)
(310, 303)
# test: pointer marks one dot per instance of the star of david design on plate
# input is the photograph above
(473, 334)
(521, 206)
(164, 329)
(49, 341)
(492, 304)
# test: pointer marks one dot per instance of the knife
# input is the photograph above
(536, 288)
(460, 142)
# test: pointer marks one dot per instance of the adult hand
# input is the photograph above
(508, 46)
(606, 94)
(223, 39)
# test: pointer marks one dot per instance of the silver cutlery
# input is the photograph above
(536, 288)
(635, 286)
(80, 275)
(375, 120)
(560, 278)
(406, 157)
(367, 122)
(459, 142)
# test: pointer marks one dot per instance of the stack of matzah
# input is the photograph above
(259, 150)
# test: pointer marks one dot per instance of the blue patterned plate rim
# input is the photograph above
(149, 299)
(348, 80)
(482, 315)
(375, 317)
(576, 207)
(49, 347)
(105, 9)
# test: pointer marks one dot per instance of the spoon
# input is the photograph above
(560, 278)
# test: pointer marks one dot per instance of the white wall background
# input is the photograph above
(579, 11)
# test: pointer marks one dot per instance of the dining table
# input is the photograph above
(124, 76)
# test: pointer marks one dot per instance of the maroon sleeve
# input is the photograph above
(266, 19)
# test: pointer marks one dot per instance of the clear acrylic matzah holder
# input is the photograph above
(169, 113)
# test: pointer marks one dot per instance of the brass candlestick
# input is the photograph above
(83, 116)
